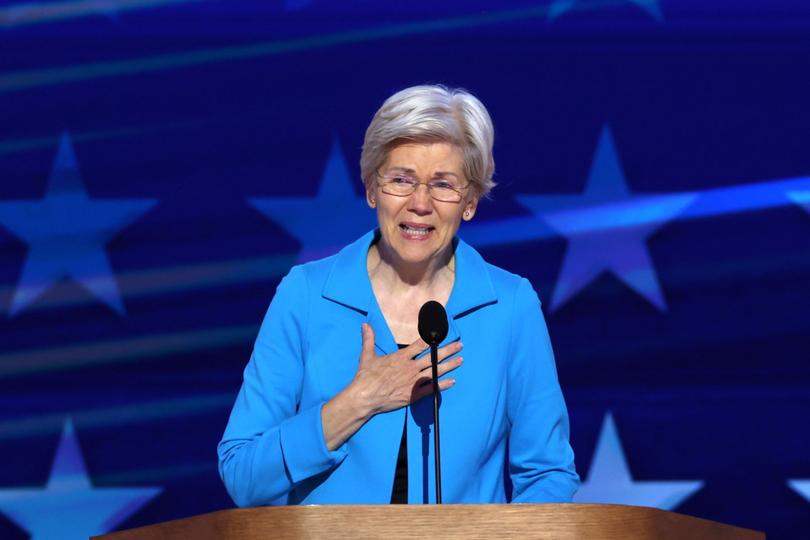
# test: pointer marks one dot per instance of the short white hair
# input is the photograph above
(432, 113)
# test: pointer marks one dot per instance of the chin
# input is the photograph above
(416, 250)
(415, 254)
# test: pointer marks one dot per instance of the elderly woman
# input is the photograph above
(333, 407)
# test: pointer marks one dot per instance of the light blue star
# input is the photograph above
(559, 7)
(607, 228)
(328, 221)
(802, 198)
(802, 487)
(68, 506)
(609, 480)
(66, 233)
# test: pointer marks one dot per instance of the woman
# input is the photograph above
(332, 389)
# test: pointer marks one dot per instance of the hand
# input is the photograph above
(385, 383)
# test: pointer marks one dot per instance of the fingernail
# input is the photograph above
(460, 360)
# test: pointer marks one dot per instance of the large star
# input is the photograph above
(558, 7)
(607, 228)
(802, 487)
(328, 221)
(69, 506)
(609, 480)
(66, 233)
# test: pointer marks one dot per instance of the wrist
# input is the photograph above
(357, 403)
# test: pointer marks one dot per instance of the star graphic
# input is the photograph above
(607, 228)
(68, 506)
(66, 233)
(609, 480)
(802, 198)
(559, 7)
(802, 487)
(328, 221)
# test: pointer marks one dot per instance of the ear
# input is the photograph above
(371, 199)
(469, 209)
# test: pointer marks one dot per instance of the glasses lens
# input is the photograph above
(445, 194)
(447, 190)
(398, 184)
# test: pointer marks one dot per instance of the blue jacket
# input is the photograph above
(506, 396)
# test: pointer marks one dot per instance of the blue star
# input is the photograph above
(607, 228)
(68, 506)
(326, 222)
(802, 487)
(609, 480)
(802, 198)
(558, 7)
(66, 233)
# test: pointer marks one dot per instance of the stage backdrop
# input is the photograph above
(163, 163)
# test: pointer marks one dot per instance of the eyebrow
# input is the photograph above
(411, 171)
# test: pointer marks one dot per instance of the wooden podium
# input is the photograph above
(463, 521)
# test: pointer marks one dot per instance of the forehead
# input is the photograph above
(426, 158)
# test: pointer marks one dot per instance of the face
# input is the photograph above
(417, 228)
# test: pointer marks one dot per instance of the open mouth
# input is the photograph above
(416, 230)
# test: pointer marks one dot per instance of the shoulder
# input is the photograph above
(507, 286)
(502, 279)
(512, 288)
(312, 273)
(345, 266)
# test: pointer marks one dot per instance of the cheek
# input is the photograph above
(386, 217)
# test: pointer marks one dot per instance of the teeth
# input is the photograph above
(414, 231)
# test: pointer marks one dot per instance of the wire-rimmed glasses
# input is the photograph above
(400, 184)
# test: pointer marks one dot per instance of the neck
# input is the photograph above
(384, 264)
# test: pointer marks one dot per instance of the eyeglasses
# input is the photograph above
(400, 184)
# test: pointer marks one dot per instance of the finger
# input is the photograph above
(450, 350)
(417, 346)
(368, 341)
(444, 366)
(443, 353)
(426, 389)
(449, 365)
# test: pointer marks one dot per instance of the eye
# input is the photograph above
(401, 179)
(442, 184)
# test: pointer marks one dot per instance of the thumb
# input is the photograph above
(368, 342)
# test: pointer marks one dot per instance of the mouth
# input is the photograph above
(416, 230)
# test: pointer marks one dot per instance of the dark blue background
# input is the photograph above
(247, 101)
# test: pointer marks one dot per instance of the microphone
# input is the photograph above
(433, 325)
(433, 328)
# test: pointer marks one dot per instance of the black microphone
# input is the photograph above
(433, 325)
(433, 329)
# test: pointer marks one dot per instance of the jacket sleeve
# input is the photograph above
(270, 444)
(541, 461)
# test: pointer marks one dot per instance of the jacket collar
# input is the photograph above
(348, 285)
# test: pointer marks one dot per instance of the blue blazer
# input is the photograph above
(506, 399)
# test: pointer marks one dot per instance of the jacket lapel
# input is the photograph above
(349, 286)
(473, 287)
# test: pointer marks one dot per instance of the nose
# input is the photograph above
(420, 200)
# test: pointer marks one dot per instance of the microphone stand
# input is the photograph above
(433, 327)
(434, 362)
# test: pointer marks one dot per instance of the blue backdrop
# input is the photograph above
(163, 163)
